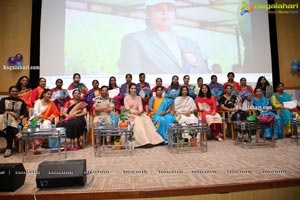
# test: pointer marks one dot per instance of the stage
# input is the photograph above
(156, 172)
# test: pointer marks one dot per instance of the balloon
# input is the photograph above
(295, 62)
(18, 63)
(11, 60)
(294, 68)
(19, 57)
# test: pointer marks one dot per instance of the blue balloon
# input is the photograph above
(18, 63)
(294, 68)
(295, 62)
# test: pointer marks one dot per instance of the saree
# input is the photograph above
(277, 102)
(44, 112)
(161, 122)
(262, 104)
(36, 94)
(74, 125)
(185, 104)
(26, 97)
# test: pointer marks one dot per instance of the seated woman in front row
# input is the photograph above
(185, 107)
(160, 112)
(12, 111)
(263, 106)
(74, 122)
(206, 104)
(45, 110)
(144, 131)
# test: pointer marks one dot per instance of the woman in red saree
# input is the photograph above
(38, 91)
(25, 90)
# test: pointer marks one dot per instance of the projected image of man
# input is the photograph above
(158, 49)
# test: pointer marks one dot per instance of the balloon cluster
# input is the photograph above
(16, 60)
(295, 65)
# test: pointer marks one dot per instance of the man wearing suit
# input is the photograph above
(159, 50)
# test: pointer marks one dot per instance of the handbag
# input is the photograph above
(252, 118)
(266, 119)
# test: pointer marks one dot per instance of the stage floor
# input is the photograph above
(155, 172)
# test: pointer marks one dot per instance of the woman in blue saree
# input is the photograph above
(263, 106)
(160, 113)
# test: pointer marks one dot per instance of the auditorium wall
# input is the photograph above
(15, 26)
(288, 30)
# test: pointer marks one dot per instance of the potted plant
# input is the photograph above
(180, 139)
(124, 116)
(193, 139)
(117, 142)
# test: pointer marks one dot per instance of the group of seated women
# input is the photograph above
(151, 110)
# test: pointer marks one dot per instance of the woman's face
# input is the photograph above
(243, 82)
(42, 83)
(280, 88)
(76, 79)
(200, 82)
(263, 81)
(14, 92)
(159, 92)
(258, 93)
(132, 89)
(128, 79)
(24, 81)
(59, 83)
(48, 95)
(113, 81)
(142, 78)
(204, 89)
(228, 90)
(95, 84)
(158, 82)
(162, 16)
(175, 80)
(186, 80)
(230, 77)
(184, 91)
(76, 95)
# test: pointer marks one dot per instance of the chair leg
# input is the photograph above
(224, 125)
(232, 131)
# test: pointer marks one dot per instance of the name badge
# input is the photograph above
(190, 58)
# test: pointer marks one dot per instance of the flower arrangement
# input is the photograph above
(124, 115)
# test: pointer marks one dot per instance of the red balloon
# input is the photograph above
(11, 60)
(19, 57)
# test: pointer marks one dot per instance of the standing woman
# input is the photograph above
(263, 106)
(45, 109)
(143, 90)
(144, 131)
(216, 88)
(92, 93)
(76, 84)
(186, 82)
(246, 93)
(117, 97)
(158, 82)
(206, 104)
(185, 107)
(38, 91)
(74, 122)
(59, 95)
(12, 111)
(160, 112)
(175, 86)
(264, 84)
(24, 88)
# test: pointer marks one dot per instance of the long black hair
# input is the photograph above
(208, 94)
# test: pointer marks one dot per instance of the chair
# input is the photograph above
(227, 121)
